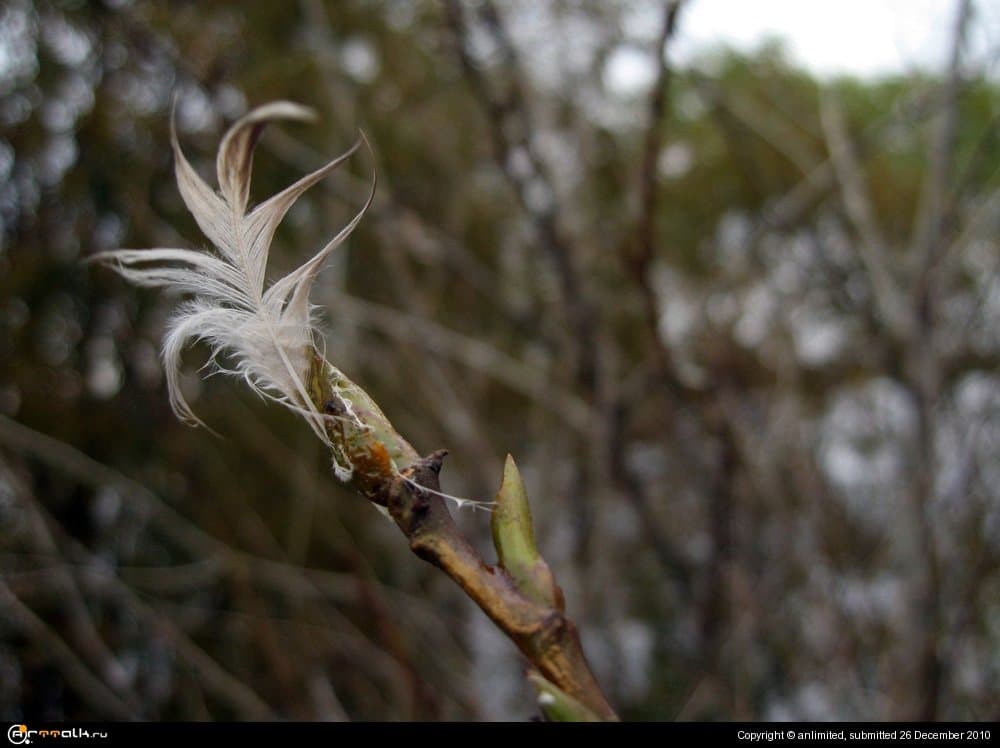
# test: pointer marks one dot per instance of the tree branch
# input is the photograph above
(518, 594)
(923, 380)
(648, 183)
(858, 204)
(88, 686)
(539, 627)
(637, 254)
(510, 129)
(934, 201)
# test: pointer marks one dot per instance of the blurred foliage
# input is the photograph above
(758, 535)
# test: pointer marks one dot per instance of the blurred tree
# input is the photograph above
(739, 329)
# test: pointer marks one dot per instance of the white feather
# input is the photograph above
(265, 336)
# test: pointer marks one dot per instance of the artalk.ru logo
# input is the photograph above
(21, 735)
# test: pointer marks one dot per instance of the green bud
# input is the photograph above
(514, 539)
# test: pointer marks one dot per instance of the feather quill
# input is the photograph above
(264, 335)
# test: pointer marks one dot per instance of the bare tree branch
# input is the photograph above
(511, 131)
(923, 380)
(873, 247)
(941, 152)
(84, 683)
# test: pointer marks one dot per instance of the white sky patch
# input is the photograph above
(675, 160)
(629, 71)
(858, 37)
(861, 37)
